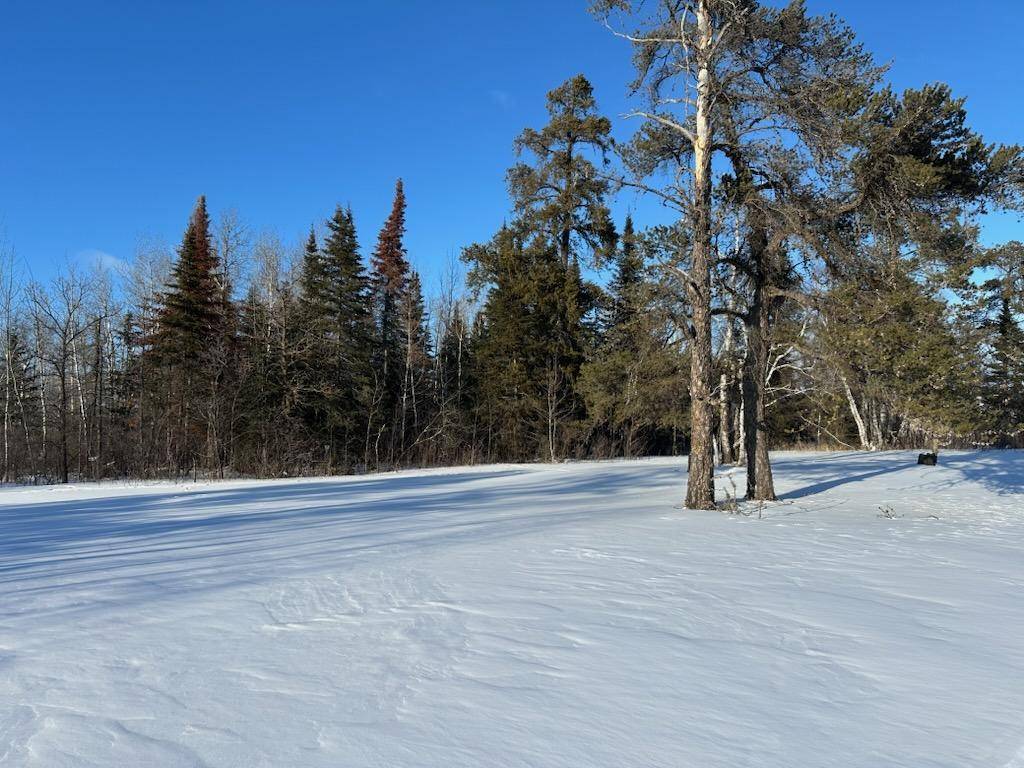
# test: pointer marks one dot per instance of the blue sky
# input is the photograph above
(114, 116)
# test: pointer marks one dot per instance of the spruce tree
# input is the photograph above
(347, 284)
(348, 300)
(509, 354)
(389, 284)
(191, 343)
(333, 366)
(627, 288)
(191, 316)
(313, 279)
(316, 367)
(526, 402)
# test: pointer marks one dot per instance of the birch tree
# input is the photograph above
(58, 313)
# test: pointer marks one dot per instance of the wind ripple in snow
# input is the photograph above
(520, 617)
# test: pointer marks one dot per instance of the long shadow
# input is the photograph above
(123, 547)
(67, 520)
(1000, 471)
(828, 485)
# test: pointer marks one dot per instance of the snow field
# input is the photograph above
(565, 615)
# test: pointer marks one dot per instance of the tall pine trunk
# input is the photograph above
(760, 483)
(725, 405)
(700, 490)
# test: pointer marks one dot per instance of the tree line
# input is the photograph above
(820, 283)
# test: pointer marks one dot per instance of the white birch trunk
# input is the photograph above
(862, 427)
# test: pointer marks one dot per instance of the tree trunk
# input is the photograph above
(725, 416)
(760, 483)
(700, 490)
(764, 487)
(97, 404)
(7, 424)
(19, 398)
(43, 441)
(862, 428)
(63, 416)
(82, 420)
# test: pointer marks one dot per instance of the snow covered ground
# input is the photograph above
(531, 616)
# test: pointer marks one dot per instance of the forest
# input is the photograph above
(823, 285)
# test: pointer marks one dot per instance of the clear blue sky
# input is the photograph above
(114, 116)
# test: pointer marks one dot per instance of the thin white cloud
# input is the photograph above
(93, 257)
(502, 99)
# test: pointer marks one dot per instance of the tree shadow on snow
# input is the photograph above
(828, 485)
(141, 546)
(1001, 472)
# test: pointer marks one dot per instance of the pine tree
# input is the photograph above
(559, 205)
(1000, 304)
(742, 83)
(561, 196)
(903, 370)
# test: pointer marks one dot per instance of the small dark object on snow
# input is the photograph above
(929, 459)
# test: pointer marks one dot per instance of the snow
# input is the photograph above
(533, 616)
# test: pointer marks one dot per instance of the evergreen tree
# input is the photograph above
(349, 303)
(561, 196)
(635, 382)
(627, 289)
(1000, 304)
(313, 278)
(389, 280)
(521, 346)
(561, 220)
(456, 386)
(333, 366)
(191, 343)
(347, 285)
(317, 362)
(192, 316)
(903, 370)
